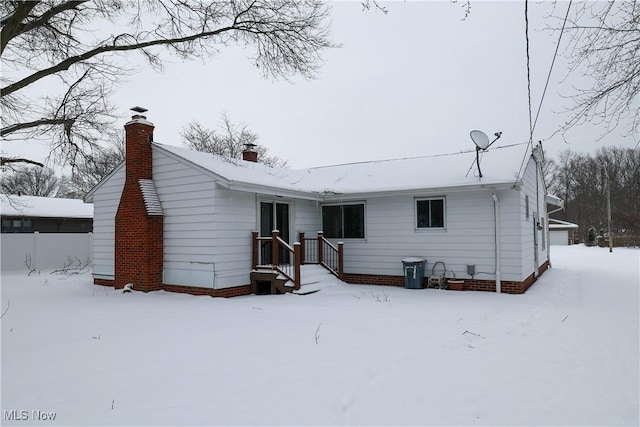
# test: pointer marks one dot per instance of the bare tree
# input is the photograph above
(30, 181)
(89, 171)
(67, 43)
(583, 182)
(604, 41)
(229, 141)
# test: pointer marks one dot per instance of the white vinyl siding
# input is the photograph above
(234, 220)
(187, 198)
(537, 209)
(469, 237)
(306, 218)
(105, 206)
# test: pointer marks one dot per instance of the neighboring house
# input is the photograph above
(180, 220)
(562, 232)
(44, 232)
(27, 214)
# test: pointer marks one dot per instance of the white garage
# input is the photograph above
(561, 232)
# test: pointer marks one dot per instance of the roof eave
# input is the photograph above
(272, 191)
(422, 191)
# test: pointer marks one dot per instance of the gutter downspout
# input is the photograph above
(496, 208)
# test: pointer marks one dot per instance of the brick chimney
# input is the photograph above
(139, 219)
(249, 153)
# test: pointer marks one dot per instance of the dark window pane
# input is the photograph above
(437, 213)
(26, 226)
(354, 221)
(422, 209)
(6, 226)
(332, 222)
(266, 219)
(282, 220)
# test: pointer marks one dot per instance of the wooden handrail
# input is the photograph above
(291, 272)
(327, 255)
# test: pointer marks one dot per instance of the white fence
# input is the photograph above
(44, 251)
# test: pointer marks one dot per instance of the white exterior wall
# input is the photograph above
(188, 198)
(306, 218)
(234, 220)
(105, 206)
(468, 236)
(528, 225)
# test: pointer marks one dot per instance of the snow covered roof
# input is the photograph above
(44, 207)
(560, 224)
(500, 167)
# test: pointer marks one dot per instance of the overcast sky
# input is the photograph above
(412, 82)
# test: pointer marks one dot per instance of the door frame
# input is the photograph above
(284, 234)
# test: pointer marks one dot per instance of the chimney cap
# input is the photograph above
(138, 109)
(249, 146)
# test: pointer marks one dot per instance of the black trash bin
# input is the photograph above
(413, 272)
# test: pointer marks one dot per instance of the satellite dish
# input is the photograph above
(480, 139)
(482, 143)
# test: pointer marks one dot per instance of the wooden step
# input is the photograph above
(264, 282)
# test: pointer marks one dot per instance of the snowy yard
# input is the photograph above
(565, 353)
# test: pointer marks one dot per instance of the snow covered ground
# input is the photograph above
(565, 353)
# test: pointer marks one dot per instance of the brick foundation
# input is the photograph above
(235, 291)
(508, 287)
(373, 279)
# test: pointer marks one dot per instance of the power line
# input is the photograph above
(555, 55)
(526, 37)
(420, 157)
(533, 123)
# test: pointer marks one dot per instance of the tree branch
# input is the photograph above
(28, 125)
(12, 22)
(67, 63)
(16, 30)
(9, 160)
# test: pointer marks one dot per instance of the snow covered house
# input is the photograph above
(44, 232)
(28, 214)
(180, 220)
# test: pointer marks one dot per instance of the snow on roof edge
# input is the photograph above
(45, 207)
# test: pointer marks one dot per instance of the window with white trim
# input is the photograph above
(430, 213)
(343, 221)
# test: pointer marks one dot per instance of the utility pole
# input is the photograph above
(606, 173)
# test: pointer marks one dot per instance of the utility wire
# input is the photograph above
(555, 55)
(533, 123)
(526, 36)
(421, 157)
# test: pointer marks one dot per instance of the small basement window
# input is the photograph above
(430, 213)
